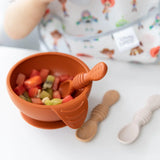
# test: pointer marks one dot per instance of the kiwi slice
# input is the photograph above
(49, 82)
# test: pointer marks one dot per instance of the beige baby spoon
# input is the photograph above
(130, 132)
(99, 113)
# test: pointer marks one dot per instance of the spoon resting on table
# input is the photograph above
(83, 79)
(98, 114)
(130, 132)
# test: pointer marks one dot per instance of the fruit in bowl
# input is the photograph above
(41, 87)
(72, 113)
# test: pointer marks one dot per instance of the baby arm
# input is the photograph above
(23, 15)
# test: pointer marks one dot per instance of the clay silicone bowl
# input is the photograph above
(72, 113)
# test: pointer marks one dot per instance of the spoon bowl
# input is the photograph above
(129, 133)
(87, 131)
(83, 79)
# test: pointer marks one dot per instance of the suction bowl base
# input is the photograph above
(43, 125)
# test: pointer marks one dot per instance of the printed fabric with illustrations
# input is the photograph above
(127, 30)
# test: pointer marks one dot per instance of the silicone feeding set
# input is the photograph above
(51, 89)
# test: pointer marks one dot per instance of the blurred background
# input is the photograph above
(30, 42)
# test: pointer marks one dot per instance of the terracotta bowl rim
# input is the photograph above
(17, 98)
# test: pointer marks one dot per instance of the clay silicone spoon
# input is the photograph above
(83, 79)
(99, 113)
(130, 132)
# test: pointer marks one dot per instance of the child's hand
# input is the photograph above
(23, 16)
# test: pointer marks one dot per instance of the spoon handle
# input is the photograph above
(95, 74)
(99, 113)
(142, 117)
(89, 129)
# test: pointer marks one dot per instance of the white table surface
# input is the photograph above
(21, 141)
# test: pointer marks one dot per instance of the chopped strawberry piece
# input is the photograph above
(67, 99)
(39, 87)
(33, 81)
(20, 79)
(30, 89)
(56, 94)
(70, 78)
(56, 83)
(19, 90)
(36, 100)
(44, 73)
(65, 77)
(34, 73)
(33, 92)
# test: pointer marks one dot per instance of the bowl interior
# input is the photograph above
(57, 63)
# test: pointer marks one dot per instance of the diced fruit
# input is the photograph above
(67, 99)
(49, 82)
(26, 94)
(44, 94)
(34, 73)
(22, 96)
(44, 99)
(33, 82)
(25, 97)
(41, 88)
(56, 83)
(19, 90)
(39, 92)
(64, 78)
(33, 92)
(56, 101)
(20, 79)
(70, 78)
(56, 94)
(36, 100)
(44, 73)
(47, 102)
(49, 90)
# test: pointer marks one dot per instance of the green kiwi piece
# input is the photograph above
(49, 82)
(56, 101)
(50, 91)
(44, 94)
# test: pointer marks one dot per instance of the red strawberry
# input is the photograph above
(56, 83)
(19, 90)
(33, 81)
(33, 92)
(39, 87)
(67, 99)
(36, 100)
(70, 78)
(20, 79)
(64, 78)
(44, 73)
(56, 94)
(34, 73)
